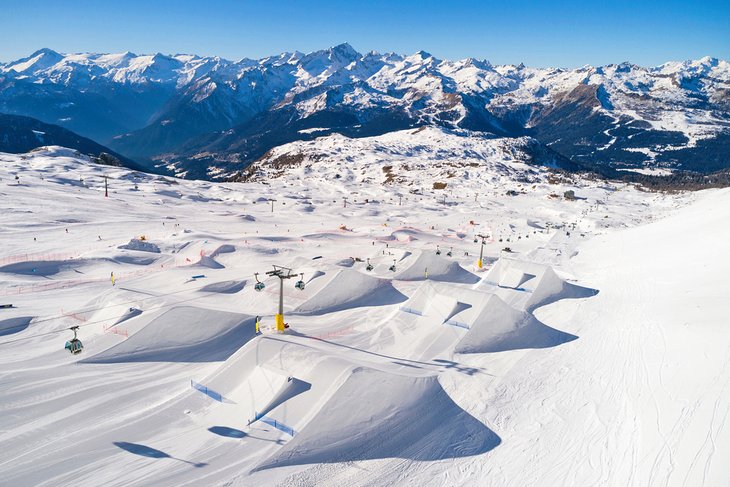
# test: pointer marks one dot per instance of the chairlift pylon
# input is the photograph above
(74, 345)
(259, 286)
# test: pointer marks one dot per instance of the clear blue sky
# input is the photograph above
(569, 33)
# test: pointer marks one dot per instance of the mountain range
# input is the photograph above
(210, 118)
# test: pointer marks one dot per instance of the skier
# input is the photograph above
(113, 279)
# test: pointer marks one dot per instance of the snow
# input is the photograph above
(414, 158)
(313, 130)
(650, 172)
(594, 353)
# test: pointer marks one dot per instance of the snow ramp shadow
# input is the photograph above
(376, 415)
(183, 334)
(14, 325)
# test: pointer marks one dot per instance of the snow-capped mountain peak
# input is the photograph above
(623, 115)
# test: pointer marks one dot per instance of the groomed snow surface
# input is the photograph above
(594, 352)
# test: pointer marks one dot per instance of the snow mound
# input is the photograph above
(439, 269)
(402, 417)
(134, 260)
(223, 249)
(348, 262)
(499, 327)
(141, 245)
(128, 315)
(183, 334)
(526, 285)
(224, 287)
(209, 262)
(436, 302)
(351, 289)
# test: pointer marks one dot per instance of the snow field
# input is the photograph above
(547, 366)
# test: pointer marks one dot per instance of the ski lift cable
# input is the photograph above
(88, 310)
(137, 300)
(123, 303)
(96, 322)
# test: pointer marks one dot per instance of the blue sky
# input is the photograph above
(567, 34)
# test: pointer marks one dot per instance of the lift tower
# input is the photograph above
(481, 250)
(282, 273)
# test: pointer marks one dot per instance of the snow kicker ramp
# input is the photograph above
(486, 322)
(498, 327)
(223, 287)
(428, 265)
(183, 334)
(337, 410)
(350, 288)
(527, 286)
(377, 414)
(274, 377)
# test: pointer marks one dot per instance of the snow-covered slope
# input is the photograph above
(205, 111)
(410, 160)
(591, 352)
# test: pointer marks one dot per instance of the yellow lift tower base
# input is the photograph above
(280, 322)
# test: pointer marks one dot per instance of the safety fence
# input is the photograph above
(208, 392)
(82, 318)
(71, 283)
(276, 424)
(335, 333)
(77, 317)
(116, 331)
(45, 256)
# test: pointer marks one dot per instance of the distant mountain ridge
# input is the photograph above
(207, 117)
(20, 134)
